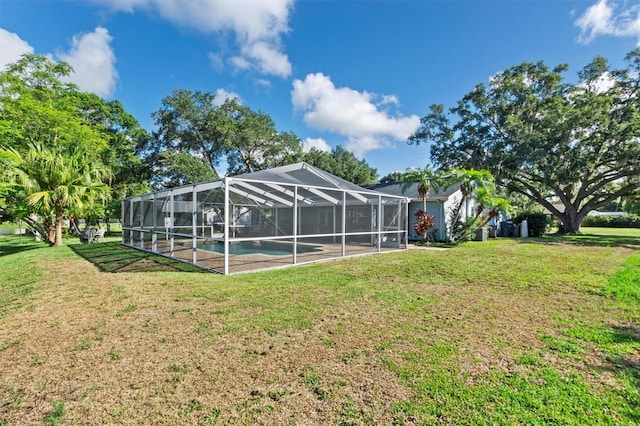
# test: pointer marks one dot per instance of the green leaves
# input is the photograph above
(197, 124)
(542, 137)
(343, 164)
(54, 180)
(68, 144)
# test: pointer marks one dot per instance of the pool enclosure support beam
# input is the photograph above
(171, 219)
(154, 235)
(130, 222)
(344, 223)
(226, 225)
(140, 223)
(406, 228)
(321, 194)
(194, 225)
(263, 193)
(335, 223)
(295, 224)
(380, 222)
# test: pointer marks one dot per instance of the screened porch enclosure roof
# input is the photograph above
(302, 174)
(274, 188)
(314, 186)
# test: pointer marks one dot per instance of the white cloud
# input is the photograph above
(90, 55)
(602, 18)
(390, 99)
(240, 63)
(261, 82)
(11, 48)
(269, 59)
(93, 62)
(317, 143)
(350, 113)
(216, 61)
(222, 95)
(257, 24)
(603, 83)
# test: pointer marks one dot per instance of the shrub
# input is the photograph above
(537, 222)
(610, 221)
(424, 222)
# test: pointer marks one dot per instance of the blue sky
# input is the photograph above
(356, 73)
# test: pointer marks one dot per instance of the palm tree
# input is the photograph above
(469, 180)
(55, 179)
(427, 179)
(478, 184)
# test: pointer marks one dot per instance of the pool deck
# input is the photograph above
(257, 261)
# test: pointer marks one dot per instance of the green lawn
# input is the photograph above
(610, 231)
(529, 331)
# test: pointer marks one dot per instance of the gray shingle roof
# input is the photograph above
(394, 188)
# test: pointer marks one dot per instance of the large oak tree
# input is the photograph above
(214, 134)
(548, 139)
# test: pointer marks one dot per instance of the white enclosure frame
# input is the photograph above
(273, 218)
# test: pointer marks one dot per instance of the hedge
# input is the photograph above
(537, 222)
(608, 221)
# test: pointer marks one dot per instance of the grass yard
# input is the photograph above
(535, 331)
(610, 231)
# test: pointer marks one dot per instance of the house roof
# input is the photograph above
(395, 188)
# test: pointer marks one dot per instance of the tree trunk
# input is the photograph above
(58, 237)
(570, 223)
(424, 205)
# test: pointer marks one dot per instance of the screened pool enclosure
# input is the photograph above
(271, 218)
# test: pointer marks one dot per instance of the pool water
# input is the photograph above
(271, 248)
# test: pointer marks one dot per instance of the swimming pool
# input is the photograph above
(270, 248)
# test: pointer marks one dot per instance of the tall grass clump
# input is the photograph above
(624, 285)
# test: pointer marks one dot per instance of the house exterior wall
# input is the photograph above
(450, 205)
(434, 208)
(441, 210)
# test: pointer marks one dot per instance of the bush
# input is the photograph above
(537, 222)
(609, 221)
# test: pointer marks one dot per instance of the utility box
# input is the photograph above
(482, 234)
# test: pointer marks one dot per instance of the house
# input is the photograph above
(440, 204)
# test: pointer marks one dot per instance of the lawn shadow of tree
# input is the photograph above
(626, 365)
(12, 244)
(112, 257)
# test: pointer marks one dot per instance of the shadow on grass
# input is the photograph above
(626, 241)
(12, 244)
(112, 257)
(627, 365)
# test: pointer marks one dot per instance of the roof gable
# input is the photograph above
(395, 188)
